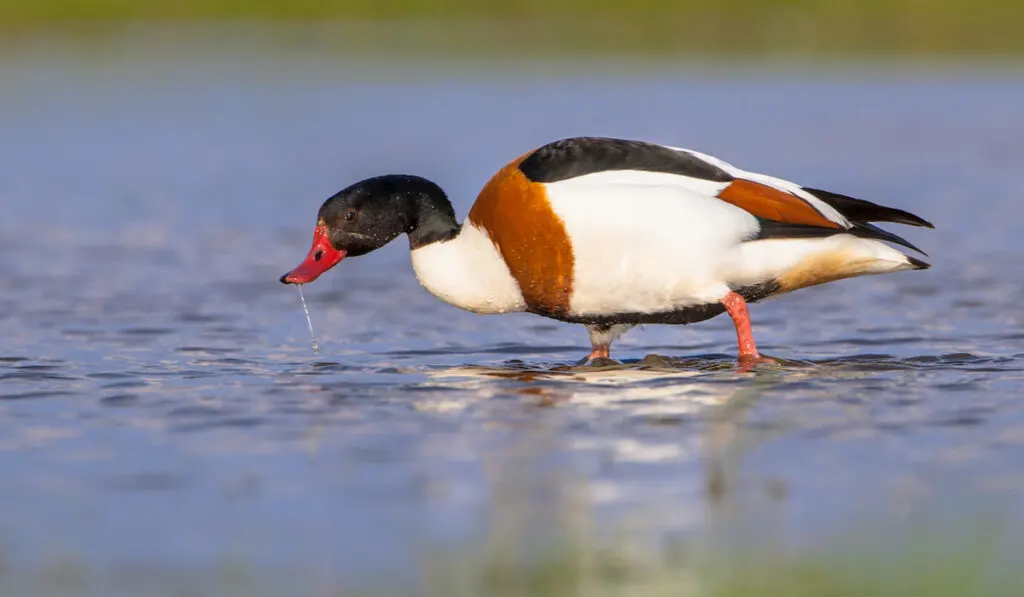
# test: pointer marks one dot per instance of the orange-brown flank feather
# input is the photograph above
(531, 238)
(772, 204)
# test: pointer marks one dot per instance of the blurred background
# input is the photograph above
(661, 27)
(166, 429)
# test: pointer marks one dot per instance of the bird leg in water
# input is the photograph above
(737, 309)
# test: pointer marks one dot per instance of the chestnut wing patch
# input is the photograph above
(770, 203)
(579, 156)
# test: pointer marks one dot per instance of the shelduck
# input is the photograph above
(613, 233)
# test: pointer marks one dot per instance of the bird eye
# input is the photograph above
(319, 254)
(350, 215)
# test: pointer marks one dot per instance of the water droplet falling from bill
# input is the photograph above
(309, 322)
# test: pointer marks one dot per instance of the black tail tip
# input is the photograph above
(918, 264)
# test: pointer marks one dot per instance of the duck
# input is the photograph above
(614, 233)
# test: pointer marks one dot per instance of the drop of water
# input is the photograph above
(309, 322)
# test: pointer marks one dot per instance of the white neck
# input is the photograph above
(468, 272)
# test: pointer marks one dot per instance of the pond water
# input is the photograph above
(162, 414)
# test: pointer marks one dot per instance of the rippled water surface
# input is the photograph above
(162, 412)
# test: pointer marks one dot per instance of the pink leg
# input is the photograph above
(737, 308)
(603, 351)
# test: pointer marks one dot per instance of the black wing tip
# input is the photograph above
(917, 263)
(871, 231)
(905, 217)
(893, 215)
(774, 229)
(861, 211)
